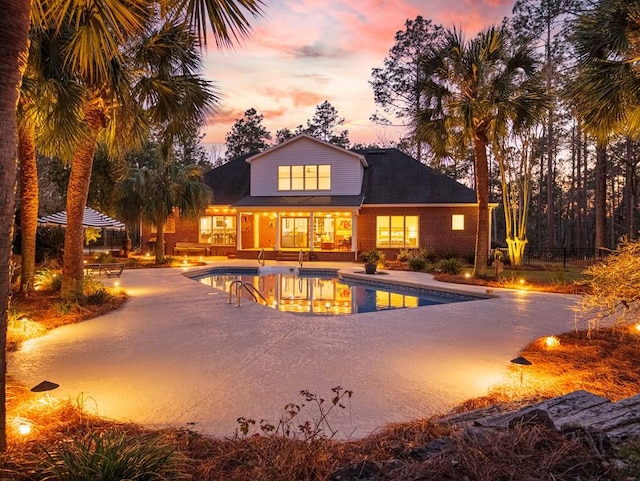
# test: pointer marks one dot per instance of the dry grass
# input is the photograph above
(607, 364)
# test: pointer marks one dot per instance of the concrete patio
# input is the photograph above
(177, 354)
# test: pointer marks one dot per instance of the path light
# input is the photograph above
(551, 342)
(637, 327)
(45, 386)
(24, 428)
(521, 361)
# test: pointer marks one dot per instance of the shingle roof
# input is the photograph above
(391, 178)
(231, 181)
(396, 178)
(302, 201)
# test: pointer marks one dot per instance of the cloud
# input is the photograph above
(298, 98)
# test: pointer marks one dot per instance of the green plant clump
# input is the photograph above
(450, 266)
(113, 456)
(417, 263)
(105, 258)
(47, 280)
(98, 297)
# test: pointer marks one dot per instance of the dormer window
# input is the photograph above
(304, 177)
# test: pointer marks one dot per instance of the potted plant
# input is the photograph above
(371, 259)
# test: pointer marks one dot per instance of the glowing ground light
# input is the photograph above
(637, 326)
(24, 428)
(521, 281)
(467, 275)
(551, 341)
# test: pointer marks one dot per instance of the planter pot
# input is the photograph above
(370, 268)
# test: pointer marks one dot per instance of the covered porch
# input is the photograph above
(282, 231)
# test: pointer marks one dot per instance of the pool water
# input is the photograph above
(323, 292)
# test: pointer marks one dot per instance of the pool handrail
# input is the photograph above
(251, 289)
(262, 258)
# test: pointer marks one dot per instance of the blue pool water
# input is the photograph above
(323, 292)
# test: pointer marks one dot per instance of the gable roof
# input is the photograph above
(396, 178)
(391, 178)
(299, 138)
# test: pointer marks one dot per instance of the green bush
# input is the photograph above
(47, 280)
(405, 254)
(105, 258)
(450, 266)
(114, 456)
(417, 264)
(98, 297)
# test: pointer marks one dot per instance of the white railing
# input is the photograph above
(301, 258)
(262, 257)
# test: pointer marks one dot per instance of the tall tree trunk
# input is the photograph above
(579, 194)
(14, 27)
(28, 202)
(629, 200)
(77, 192)
(551, 209)
(482, 193)
(159, 242)
(601, 197)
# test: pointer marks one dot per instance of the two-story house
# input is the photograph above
(306, 194)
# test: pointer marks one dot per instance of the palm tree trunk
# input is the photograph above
(28, 202)
(77, 192)
(159, 242)
(14, 27)
(482, 193)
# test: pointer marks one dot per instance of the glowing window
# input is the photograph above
(218, 230)
(457, 222)
(304, 177)
(397, 231)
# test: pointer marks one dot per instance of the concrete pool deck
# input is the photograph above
(177, 354)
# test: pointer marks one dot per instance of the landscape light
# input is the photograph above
(551, 342)
(521, 361)
(45, 386)
(24, 428)
(638, 326)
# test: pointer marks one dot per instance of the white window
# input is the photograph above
(397, 231)
(457, 222)
(218, 230)
(304, 177)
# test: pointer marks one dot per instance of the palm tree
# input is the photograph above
(606, 90)
(48, 119)
(227, 19)
(473, 91)
(108, 98)
(154, 193)
(14, 27)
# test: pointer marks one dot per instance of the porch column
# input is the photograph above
(238, 231)
(278, 230)
(354, 236)
(312, 232)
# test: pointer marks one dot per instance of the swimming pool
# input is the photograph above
(323, 292)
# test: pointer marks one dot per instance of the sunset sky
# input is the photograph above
(302, 52)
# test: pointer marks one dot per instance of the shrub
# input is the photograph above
(98, 297)
(105, 258)
(450, 266)
(373, 256)
(47, 280)
(428, 255)
(112, 456)
(613, 287)
(417, 264)
(405, 254)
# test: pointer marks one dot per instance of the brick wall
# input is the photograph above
(435, 228)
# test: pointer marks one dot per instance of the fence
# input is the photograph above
(560, 256)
